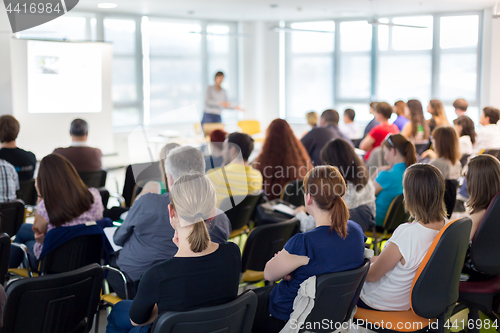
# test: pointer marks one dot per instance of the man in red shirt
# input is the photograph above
(378, 134)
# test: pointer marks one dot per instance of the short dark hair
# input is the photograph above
(350, 113)
(330, 116)
(79, 127)
(219, 73)
(385, 109)
(492, 113)
(9, 128)
(461, 104)
(244, 141)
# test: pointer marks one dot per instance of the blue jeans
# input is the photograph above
(211, 118)
(119, 320)
(25, 236)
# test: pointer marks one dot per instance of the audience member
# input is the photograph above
(436, 109)
(378, 134)
(83, 157)
(310, 253)
(9, 181)
(283, 158)
(318, 137)
(466, 132)
(488, 136)
(214, 158)
(400, 154)
(163, 157)
(446, 154)
(373, 122)
(64, 200)
(417, 130)
(399, 110)
(146, 234)
(460, 106)
(312, 119)
(360, 191)
(389, 279)
(23, 161)
(201, 273)
(350, 129)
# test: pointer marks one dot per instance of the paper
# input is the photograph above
(109, 232)
(284, 209)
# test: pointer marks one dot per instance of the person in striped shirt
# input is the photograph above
(9, 181)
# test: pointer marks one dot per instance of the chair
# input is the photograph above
(95, 179)
(396, 215)
(59, 303)
(450, 195)
(356, 142)
(464, 159)
(240, 209)
(421, 147)
(262, 244)
(139, 173)
(434, 291)
(210, 127)
(27, 192)
(104, 196)
(233, 317)
(336, 295)
(484, 296)
(293, 192)
(13, 213)
(249, 127)
(4, 256)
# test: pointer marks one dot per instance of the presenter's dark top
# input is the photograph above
(318, 137)
(83, 158)
(23, 161)
(184, 284)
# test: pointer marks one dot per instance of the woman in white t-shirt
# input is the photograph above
(389, 280)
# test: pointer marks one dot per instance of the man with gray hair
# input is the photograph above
(83, 157)
(146, 234)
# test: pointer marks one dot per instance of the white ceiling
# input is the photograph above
(255, 10)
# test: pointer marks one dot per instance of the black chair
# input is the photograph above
(240, 209)
(95, 179)
(450, 195)
(421, 147)
(104, 196)
(4, 256)
(262, 244)
(293, 193)
(464, 159)
(13, 213)
(27, 192)
(356, 142)
(336, 296)
(136, 173)
(59, 303)
(233, 317)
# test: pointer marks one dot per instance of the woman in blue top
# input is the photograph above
(335, 245)
(400, 154)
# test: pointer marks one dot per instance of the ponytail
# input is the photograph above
(339, 215)
(198, 238)
(404, 147)
(410, 154)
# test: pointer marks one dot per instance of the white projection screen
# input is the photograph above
(64, 77)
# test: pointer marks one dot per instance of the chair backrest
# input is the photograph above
(104, 196)
(485, 247)
(27, 192)
(265, 241)
(435, 286)
(293, 192)
(243, 209)
(396, 214)
(55, 303)
(4, 256)
(233, 317)
(463, 159)
(249, 127)
(136, 173)
(13, 213)
(336, 295)
(93, 178)
(450, 195)
(493, 152)
(75, 253)
(421, 147)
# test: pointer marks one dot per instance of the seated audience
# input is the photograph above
(389, 279)
(283, 158)
(417, 130)
(9, 182)
(460, 106)
(399, 110)
(350, 129)
(466, 132)
(488, 136)
(200, 274)
(399, 154)
(318, 137)
(214, 158)
(335, 245)
(83, 157)
(436, 109)
(236, 173)
(64, 201)
(378, 134)
(23, 161)
(146, 234)
(373, 122)
(446, 153)
(360, 191)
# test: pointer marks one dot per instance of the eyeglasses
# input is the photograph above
(388, 139)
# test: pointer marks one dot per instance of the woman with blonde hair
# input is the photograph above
(201, 274)
(436, 109)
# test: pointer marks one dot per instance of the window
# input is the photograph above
(71, 26)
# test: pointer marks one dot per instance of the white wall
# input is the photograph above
(5, 66)
(491, 63)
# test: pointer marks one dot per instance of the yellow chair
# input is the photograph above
(210, 127)
(249, 127)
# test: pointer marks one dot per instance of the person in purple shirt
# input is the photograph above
(399, 110)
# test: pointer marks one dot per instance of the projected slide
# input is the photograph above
(64, 77)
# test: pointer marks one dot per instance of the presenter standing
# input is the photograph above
(215, 101)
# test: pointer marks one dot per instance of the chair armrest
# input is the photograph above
(26, 262)
(124, 278)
